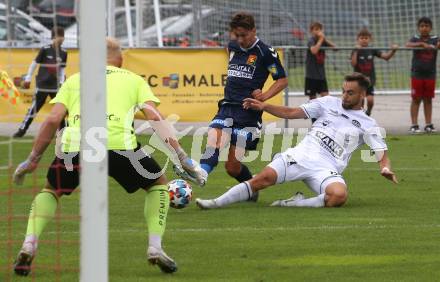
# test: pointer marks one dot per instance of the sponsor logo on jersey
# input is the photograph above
(273, 52)
(242, 71)
(252, 60)
(329, 144)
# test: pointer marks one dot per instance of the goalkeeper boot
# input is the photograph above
(200, 176)
(160, 258)
(283, 203)
(206, 204)
(22, 265)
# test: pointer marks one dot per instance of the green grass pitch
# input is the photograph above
(385, 232)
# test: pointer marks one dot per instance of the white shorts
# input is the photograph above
(316, 179)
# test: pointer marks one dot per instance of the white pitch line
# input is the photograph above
(262, 229)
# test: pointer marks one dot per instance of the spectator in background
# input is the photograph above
(52, 60)
(362, 61)
(316, 81)
(423, 74)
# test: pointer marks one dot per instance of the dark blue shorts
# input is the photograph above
(243, 126)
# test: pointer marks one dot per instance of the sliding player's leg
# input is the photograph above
(329, 187)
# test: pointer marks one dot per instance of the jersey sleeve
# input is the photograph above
(145, 94)
(273, 63)
(374, 139)
(40, 56)
(377, 53)
(314, 108)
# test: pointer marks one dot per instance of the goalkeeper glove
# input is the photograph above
(28, 166)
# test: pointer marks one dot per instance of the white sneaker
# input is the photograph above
(160, 258)
(284, 203)
(200, 177)
(206, 204)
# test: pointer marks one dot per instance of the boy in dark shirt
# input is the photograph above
(362, 61)
(423, 74)
(316, 81)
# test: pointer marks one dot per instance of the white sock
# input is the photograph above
(155, 241)
(315, 202)
(239, 193)
(30, 243)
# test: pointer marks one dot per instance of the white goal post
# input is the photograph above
(94, 180)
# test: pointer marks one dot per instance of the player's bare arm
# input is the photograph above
(278, 111)
(275, 88)
(315, 48)
(385, 167)
(329, 43)
(419, 44)
(388, 55)
(42, 141)
(354, 55)
(166, 133)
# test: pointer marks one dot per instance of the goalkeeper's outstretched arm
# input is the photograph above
(166, 132)
(278, 111)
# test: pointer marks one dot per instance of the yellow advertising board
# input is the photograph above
(189, 82)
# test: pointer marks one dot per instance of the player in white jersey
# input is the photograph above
(319, 159)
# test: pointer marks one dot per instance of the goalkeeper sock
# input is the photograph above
(315, 202)
(42, 211)
(156, 207)
(244, 174)
(239, 193)
(209, 159)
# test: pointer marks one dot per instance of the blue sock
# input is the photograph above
(244, 174)
(209, 159)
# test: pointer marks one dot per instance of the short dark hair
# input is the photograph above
(242, 19)
(364, 32)
(362, 80)
(57, 31)
(424, 20)
(316, 24)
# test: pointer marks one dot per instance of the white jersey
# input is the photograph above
(335, 135)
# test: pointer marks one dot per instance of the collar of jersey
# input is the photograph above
(253, 45)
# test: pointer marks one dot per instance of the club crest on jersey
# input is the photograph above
(356, 123)
(251, 60)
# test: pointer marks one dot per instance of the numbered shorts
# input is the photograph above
(316, 179)
(244, 127)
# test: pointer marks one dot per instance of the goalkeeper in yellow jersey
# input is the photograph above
(128, 164)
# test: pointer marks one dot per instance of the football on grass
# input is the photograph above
(180, 193)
